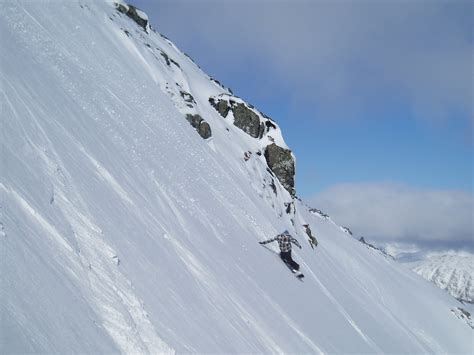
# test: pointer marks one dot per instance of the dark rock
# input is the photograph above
(202, 127)
(247, 120)
(281, 162)
(245, 117)
(217, 82)
(319, 213)
(175, 63)
(466, 313)
(167, 59)
(133, 14)
(347, 230)
(120, 8)
(204, 130)
(221, 106)
(195, 120)
(269, 124)
(362, 240)
(274, 188)
(187, 97)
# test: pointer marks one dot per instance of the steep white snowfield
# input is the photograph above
(122, 230)
(450, 271)
(453, 273)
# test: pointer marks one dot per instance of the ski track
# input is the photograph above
(121, 311)
(341, 310)
(104, 174)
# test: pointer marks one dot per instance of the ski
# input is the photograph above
(299, 275)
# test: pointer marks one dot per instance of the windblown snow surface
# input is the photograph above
(452, 271)
(122, 230)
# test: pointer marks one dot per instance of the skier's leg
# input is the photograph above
(293, 263)
(286, 257)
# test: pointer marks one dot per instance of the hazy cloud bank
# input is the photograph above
(344, 58)
(398, 213)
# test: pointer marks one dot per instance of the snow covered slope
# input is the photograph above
(123, 230)
(453, 273)
(450, 271)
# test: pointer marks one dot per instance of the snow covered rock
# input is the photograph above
(464, 315)
(135, 14)
(451, 272)
(202, 127)
(280, 161)
(346, 230)
(245, 117)
(373, 247)
(257, 125)
(319, 213)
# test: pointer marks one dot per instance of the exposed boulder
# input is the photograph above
(247, 120)
(188, 98)
(135, 14)
(221, 106)
(280, 161)
(245, 116)
(204, 130)
(202, 127)
(168, 59)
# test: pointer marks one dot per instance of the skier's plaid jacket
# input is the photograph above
(284, 241)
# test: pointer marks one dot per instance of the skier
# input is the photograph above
(284, 241)
(312, 240)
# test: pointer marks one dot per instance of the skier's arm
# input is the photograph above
(295, 242)
(269, 240)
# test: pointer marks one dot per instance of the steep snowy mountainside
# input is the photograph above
(450, 271)
(126, 228)
(453, 273)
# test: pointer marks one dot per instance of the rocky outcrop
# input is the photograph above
(168, 60)
(258, 125)
(362, 240)
(135, 14)
(280, 161)
(248, 121)
(221, 106)
(319, 213)
(202, 127)
(245, 116)
(188, 98)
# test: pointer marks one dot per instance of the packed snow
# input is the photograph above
(122, 230)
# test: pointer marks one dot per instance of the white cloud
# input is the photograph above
(390, 212)
(346, 58)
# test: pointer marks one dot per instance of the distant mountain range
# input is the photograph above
(451, 271)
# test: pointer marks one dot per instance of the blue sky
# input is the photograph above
(365, 92)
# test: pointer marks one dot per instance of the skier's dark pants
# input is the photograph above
(286, 257)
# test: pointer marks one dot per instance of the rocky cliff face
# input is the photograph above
(257, 125)
(280, 161)
(135, 14)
